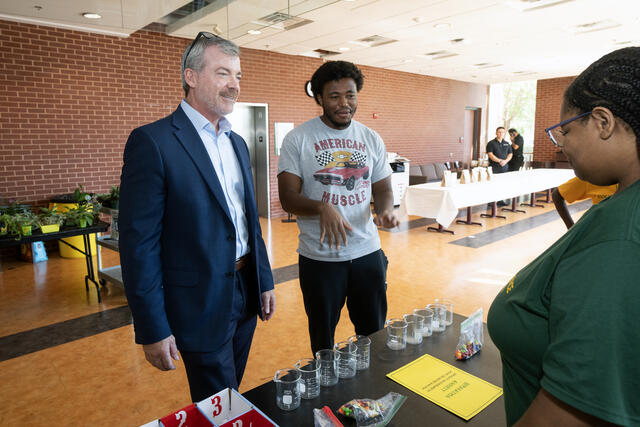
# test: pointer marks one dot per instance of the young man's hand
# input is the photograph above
(386, 219)
(333, 226)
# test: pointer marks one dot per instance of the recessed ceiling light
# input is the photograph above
(458, 40)
(254, 32)
(442, 26)
(344, 49)
(418, 19)
(92, 15)
(407, 60)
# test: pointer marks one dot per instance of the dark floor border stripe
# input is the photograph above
(63, 332)
(500, 233)
(284, 274)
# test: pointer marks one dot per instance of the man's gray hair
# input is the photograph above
(195, 60)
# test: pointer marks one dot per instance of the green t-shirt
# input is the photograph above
(569, 322)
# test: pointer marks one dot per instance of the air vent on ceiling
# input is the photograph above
(324, 52)
(373, 41)
(592, 27)
(448, 55)
(320, 53)
(484, 65)
(531, 5)
(439, 54)
(282, 21)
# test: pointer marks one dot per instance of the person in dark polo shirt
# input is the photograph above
(499, 152)
(517, 145)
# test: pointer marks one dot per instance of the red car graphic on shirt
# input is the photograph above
(343, 173)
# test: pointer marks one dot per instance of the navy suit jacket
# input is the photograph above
(177, 240)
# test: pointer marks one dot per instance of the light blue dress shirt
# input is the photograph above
(227, 168)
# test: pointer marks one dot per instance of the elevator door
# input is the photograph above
(250, 122)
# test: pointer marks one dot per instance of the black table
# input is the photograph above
(374, 384)
(86, 232)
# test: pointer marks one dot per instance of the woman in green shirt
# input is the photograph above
(567, 325)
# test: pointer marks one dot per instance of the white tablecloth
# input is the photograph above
(442, 203)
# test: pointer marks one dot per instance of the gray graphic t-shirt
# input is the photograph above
(337, 167)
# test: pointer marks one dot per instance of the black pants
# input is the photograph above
(515, 165)
(500, 169)
(325, 287)
(210, 372)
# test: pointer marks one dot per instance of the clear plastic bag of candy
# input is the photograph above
(373, 413)
(324, 418)
(471, 336)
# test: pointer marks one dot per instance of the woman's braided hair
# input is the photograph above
(613, 81)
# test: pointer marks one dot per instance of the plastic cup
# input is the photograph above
(438, 322)
(363, 351)
(309, 378)
(287, 389)
(396, 334)
(449, 304)
(328, 361)
(414, 328)
(426, 325)
(347, 360)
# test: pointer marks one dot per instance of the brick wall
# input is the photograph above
(549, 94)
(68, 101)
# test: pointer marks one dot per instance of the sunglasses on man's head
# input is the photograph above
(207, 35)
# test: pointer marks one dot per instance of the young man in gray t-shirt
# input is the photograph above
(329, 168)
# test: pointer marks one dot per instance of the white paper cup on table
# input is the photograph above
(396, 334)
(328, 361)
(347, 360)
(449, 304)
(438, 323)
(426, 324)
(287, 389)
(309, 378)
(415, 324)
(363, 351)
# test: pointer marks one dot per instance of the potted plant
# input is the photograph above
(21, 224)
(4, 224)
(87, 211)
(110, 200)
(13, 208)
(49, 220)
(80, 216)
(114, 196)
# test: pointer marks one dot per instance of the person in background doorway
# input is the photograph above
(517, 146)
(329, 169)
(576, 189)
(194, 264)
(566, 324)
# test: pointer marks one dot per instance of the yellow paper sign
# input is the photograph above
(445, 385)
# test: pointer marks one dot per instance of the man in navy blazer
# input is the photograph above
(194, 264)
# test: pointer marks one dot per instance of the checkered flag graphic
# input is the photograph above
(359, 157)
(324, 158)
